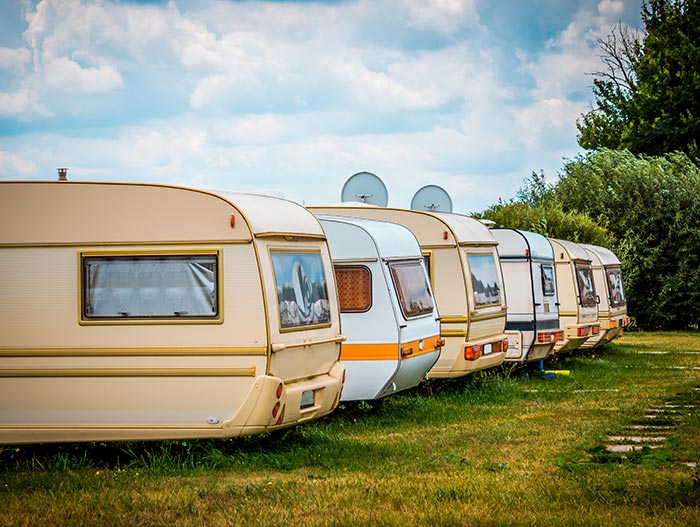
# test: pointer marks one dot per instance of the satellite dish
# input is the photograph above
(432, 198)
(365, 187)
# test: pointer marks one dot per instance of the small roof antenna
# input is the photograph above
(62, 174)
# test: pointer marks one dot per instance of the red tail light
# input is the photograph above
(596, 329)
(439, 343)
(279, 390)
(275, 409)
(583, 332)
(472, 352)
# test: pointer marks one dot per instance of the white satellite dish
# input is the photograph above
(432, 198)
(365, 187)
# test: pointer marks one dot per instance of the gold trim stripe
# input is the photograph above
(129, 372)
(126, 243)
(456, 333)
(128, 352)
(454, 320)
(489, 316)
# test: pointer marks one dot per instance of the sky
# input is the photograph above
(291, 98)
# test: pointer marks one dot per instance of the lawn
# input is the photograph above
(500, 448)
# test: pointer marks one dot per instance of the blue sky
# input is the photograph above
(292, 98)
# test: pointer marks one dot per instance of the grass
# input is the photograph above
(500, 448)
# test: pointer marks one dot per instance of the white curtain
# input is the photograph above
(183, 286)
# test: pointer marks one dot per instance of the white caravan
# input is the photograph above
(532, 322)
(387, 309)
(612, 309)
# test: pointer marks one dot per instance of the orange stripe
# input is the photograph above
(387, 351)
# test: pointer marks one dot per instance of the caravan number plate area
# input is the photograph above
(307, 399)
(487, 349)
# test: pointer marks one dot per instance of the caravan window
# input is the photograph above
(302, 292)
(617, 291)
(354, 284)
(485, 283)
(547, 280)
(412, 288)
(586, 289)
(152, 286)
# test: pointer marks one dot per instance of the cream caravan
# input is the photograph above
(466, 278)
(532, 323)
(387, 309)
(612, 309)
(136, 311)
(578, 309)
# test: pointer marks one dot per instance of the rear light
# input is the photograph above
(596, 329)
(280, 418)
(583, 332)
(548, 337)
(439, 343)
(472, 352)
(279, 390)
(276, 409)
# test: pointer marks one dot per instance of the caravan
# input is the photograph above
(612, 309)
(388, 313)
(138, 311)
(465, 274)
(532, 322)
(578, 309)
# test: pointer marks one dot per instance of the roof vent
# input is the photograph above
(62, 174)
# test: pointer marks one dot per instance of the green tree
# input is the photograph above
(647, 100)
(536, 208)
(650, 206)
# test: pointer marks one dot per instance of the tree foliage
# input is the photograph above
(650, 206)
(647, 100)
(537, 209)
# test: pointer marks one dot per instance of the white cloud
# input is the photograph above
(611, 7)
(445, 16)
(14, 58)
(68, 75)
(21, 103)
(13, 166)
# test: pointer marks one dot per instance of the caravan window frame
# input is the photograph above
(152, 256)
(403, 295)
(273, 252)
(592, 299)
(498, 276)
(609, 273)
(369, 296)
(550, 279)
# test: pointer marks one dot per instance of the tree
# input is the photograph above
(647, 100)
(536, 208)
(650, 206)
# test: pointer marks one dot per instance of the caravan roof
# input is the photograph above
(193, 214)
(517, 243)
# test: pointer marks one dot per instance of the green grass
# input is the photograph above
(500, 448)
